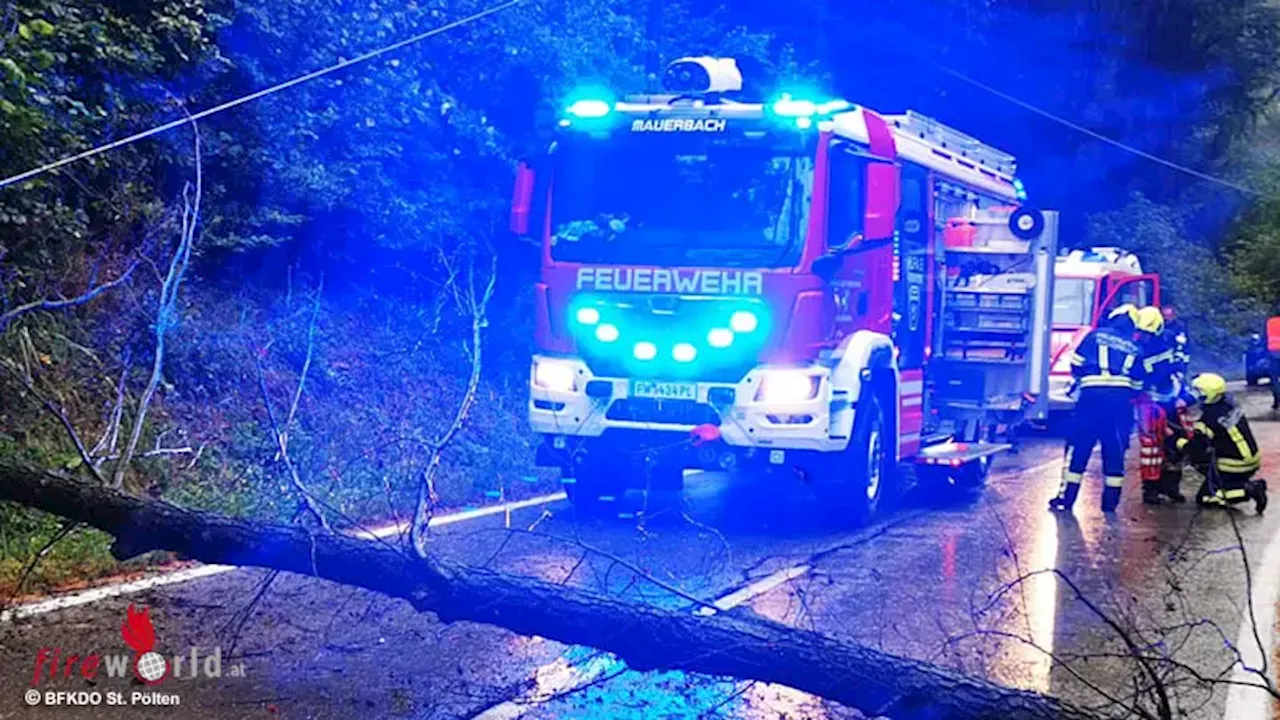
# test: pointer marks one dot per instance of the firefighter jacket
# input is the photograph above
(1224, 427)
(1108, 358)
(1161, 366)
(1176, 330)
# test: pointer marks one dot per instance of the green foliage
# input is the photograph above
(371, 174)
(1193, 277)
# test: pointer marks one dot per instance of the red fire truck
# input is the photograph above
(800, 284)
(1088, 284)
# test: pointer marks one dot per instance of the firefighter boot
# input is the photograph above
(1067, 493)
(1111, 492)
(1258, 489)
(1150, 493)
(1206, 496)
(1171, 485)
(1110, 499)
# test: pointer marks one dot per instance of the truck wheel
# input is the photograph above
(857, 480)
(973, 475)
(595, 489)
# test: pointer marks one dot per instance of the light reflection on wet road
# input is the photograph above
(936, 581)
(971, 584)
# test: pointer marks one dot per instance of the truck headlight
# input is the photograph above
(788, 386)
(554, 375)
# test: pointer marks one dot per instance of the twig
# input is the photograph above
(111, 433)
(306, 367)
(168, 304)
(476, 305)
(57, 412)
(303, 493)
(48, 304)
(68, 527)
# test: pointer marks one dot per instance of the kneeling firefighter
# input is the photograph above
(1107, 367)
(1221, 445)
(1164, 394)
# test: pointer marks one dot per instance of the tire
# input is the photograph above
(1026, 223)
(594, 489)
(945, 485)
(1253, 380)
(972, 477)
(855, 483)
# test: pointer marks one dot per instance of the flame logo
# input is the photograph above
(140, 635)
(137, 631)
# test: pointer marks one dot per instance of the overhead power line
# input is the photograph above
(1097, 135)
(254, 96)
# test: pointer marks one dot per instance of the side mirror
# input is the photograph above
(522, 199)
(828, 265)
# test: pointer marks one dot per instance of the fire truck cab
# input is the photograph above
(801, 284)
(1089, 284)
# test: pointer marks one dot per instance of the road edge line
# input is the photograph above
(1245, 703)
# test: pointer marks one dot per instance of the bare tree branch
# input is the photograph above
(62, 304)
(168, 304)
(476, 305)
(733, 644)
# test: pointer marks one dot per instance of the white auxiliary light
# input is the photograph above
(703, 75)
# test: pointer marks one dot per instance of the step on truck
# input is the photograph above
(799, 284)
(1088, 284)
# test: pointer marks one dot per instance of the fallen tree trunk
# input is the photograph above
(735, 644)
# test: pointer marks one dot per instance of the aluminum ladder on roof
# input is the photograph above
(935, 133)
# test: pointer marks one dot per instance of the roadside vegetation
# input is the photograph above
(339, 225)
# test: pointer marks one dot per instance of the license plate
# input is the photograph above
(664, 390)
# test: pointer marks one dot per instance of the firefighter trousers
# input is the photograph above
(1224, 488)
(1103, 416)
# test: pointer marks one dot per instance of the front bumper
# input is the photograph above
(606, 404)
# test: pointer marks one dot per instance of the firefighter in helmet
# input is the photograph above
(1176, 330)
(1107, 367)
(1222, 446)
(1163, 384)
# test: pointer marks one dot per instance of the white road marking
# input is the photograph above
(1245, 703)
(560, 676)
(93, 595)
(754, 590)
(397, 529)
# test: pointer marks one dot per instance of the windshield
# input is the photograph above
(1073, 301)
(657, 202)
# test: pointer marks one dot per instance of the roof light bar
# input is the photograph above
(590, 108)
(788, 106)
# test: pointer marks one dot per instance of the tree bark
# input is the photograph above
(736, 644)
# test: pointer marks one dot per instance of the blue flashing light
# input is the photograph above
(607, 333)
(788, 106)
(588, 316)
(744, 321)
(720, 338)
(684, 352)
(590, 108)
(645, 350)
(1019, 191)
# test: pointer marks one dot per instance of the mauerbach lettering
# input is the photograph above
(709, 125)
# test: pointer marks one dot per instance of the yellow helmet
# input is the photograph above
(1126, 310)
(1151, 320)
(1210, 387)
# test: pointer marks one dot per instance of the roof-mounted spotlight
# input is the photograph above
(702, 75)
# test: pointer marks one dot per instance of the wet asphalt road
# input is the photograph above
(964, 583)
